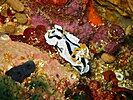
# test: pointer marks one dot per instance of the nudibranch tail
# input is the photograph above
(68, 46)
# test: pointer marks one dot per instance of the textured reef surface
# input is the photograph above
(66, 50)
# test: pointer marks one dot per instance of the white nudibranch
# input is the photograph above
(69, 48)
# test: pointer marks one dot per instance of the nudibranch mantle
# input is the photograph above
(68, 46)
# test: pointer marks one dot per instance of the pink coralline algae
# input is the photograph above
(109, 36)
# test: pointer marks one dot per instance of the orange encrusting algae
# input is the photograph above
(92, 15)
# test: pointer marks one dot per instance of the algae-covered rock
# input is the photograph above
(16, 5)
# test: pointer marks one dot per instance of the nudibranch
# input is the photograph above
(68, 46)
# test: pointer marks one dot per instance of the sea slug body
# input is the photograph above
(69, 48)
